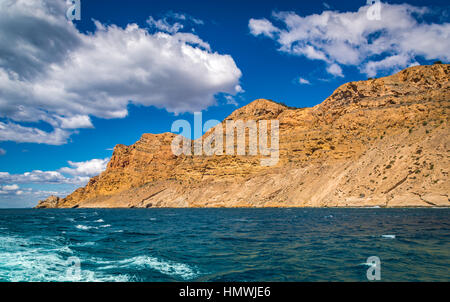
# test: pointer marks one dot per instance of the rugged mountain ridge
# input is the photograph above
(382, 142)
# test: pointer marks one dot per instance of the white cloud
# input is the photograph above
(239, 89)
(10, 187)
(164, 25)
(21, 134)
(11, 190)
(184, 17)
(169, 23)
(262, 27)
(87, 168)
(76, 122)
(396, 62)
(351, 39)
(51, 72)
(335, 70)
(41, 177)
(27, 197)
(80, 173)
(60, 182)
(44, 193)
(303, 81)
(231, 100)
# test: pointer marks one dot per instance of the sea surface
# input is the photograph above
(223, 244)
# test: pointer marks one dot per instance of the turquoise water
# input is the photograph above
(223, 244)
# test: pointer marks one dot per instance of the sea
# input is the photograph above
(203, 245)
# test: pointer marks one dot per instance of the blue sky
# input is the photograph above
(69, 92)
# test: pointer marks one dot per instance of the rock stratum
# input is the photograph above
(382, 142)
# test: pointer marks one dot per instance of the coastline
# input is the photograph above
(381, 142)
(253, 208)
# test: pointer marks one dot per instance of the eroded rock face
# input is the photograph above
(50, 202)
(382, 142)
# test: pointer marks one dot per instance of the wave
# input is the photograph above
(105, 226)
(163, 266)
(166, 267)
(388, 236)
(64, 249)
(85, 227)
(99, 220)
(21, 260)
(367, 264)
(88, 243)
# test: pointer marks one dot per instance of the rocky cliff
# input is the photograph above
(382, 142)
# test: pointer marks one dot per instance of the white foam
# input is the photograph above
(367, 264)
(85, 227)
(166, 267)
(88, 243)
(163, 266)
(65, 249)
(19, 261)
(388, 236)
(105, 226)
(99, 220)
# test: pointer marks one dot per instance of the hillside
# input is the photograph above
(381, 142)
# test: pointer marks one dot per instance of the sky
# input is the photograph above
(70, 90)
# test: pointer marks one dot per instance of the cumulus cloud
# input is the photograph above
(86, 168)
(34, 34)
(10, 187)
(14, 132)
(335, 70)
(79, 173)
(27, 197)
(51, 72)
(41, 177)
(262, 27)
(352, 39)
(11, 190)
(60, 182)
(76, 122)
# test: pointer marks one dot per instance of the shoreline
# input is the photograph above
(249, 208)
